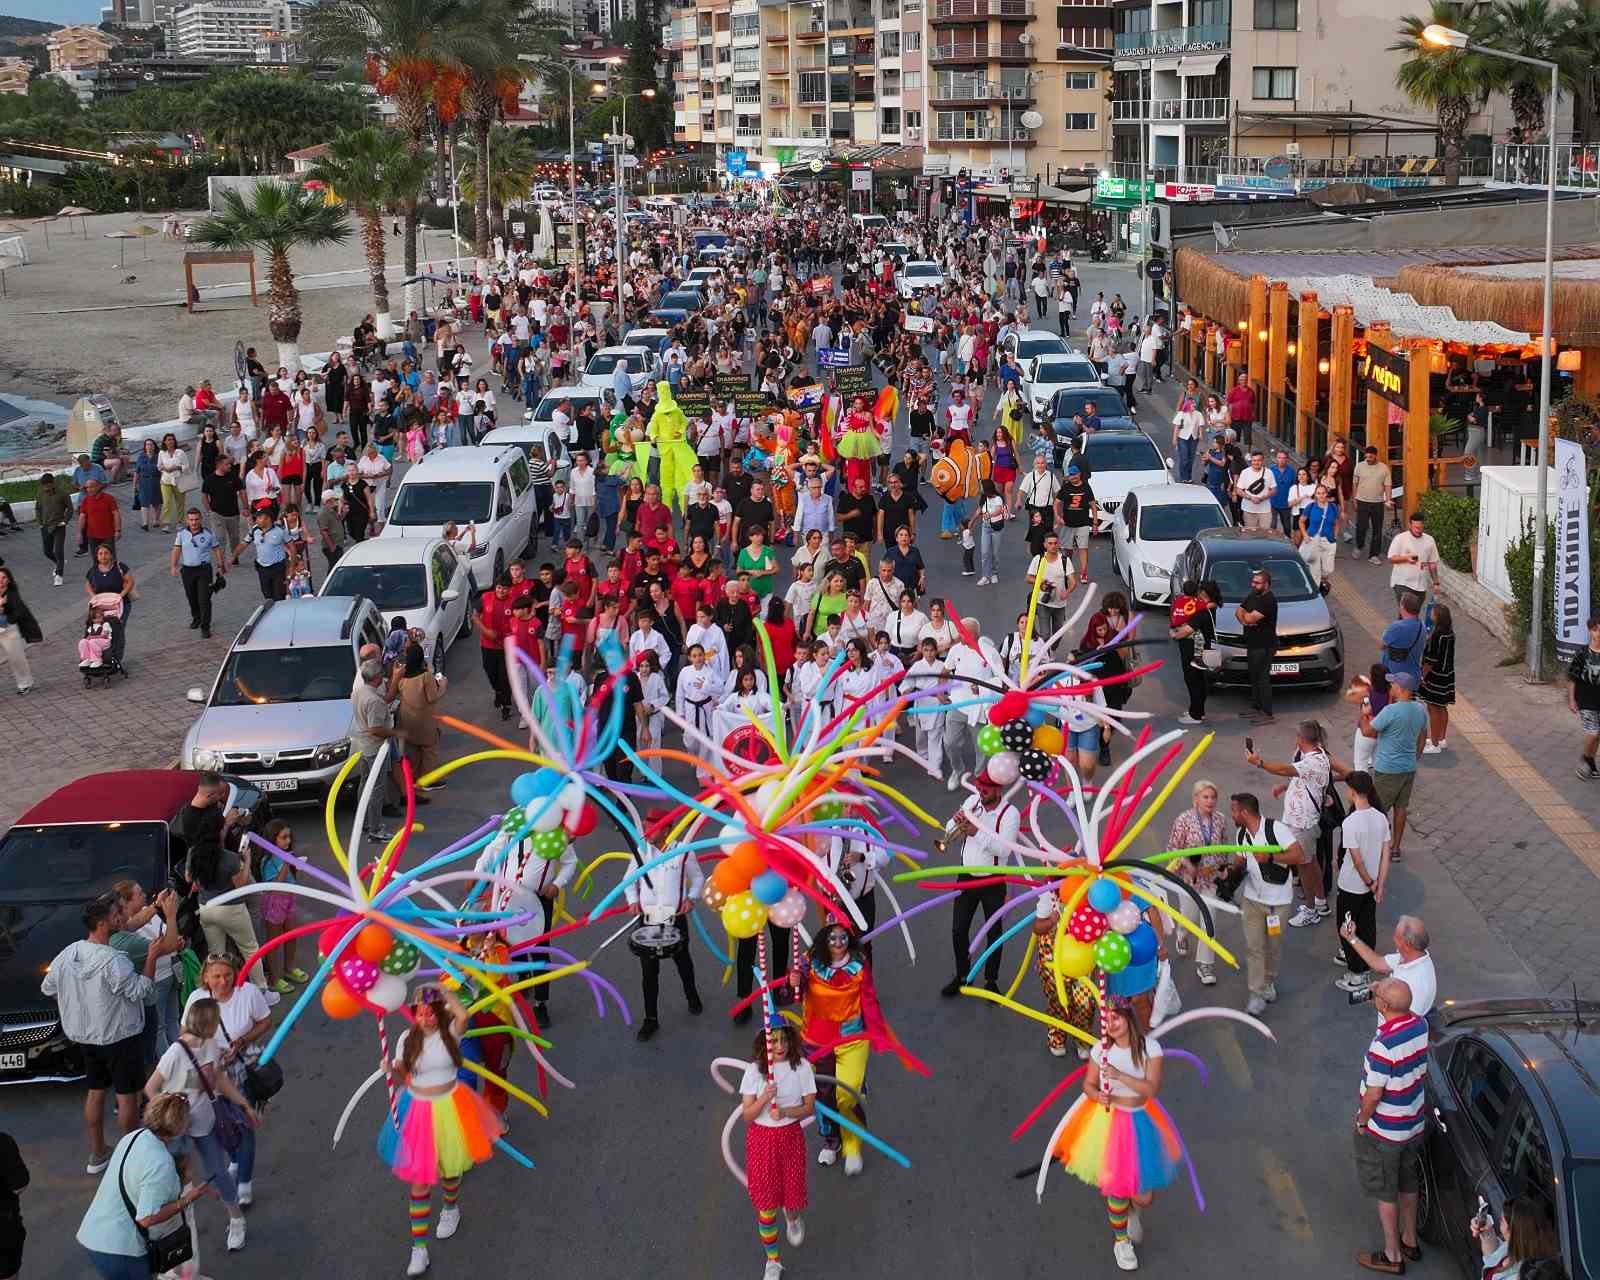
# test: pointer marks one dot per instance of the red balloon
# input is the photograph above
(583, 822)
(1086, 924)
(328, 939)
(1011, 706)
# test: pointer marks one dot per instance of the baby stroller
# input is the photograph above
(111, 605)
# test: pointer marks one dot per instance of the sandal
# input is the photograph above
(283, 986)
(298, 976)
(1378, 1260)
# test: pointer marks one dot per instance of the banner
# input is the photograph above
(1571, 549)
(833, 358)
(857, 381)
(916, 324)
(1388, 373)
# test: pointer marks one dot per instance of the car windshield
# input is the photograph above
(1064, 371)
(1071, 403)
(1178, 523)
(1586, 1222)
(1290, 581)
(441, 501)
(77, 862)
(391, 587)
(921, 269)
(255, 677)
(1122, 455)
(1029, 348)
(605, 362)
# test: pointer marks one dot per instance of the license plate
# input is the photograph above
(13, 1061)
(1285, 669)
(276, 784)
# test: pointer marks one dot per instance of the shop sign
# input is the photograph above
(1387, 374)
(1109, 188)
(1186, 193)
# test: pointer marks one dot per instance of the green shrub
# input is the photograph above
(1519, 568)
(1453, 522)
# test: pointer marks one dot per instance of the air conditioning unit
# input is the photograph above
(914, 133)
(1291, 149)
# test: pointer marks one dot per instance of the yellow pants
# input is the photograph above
(849, 1064)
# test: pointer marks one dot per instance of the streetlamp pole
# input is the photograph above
(572, 197)
(1446, 37)
(1144, 192)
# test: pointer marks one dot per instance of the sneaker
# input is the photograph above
(521, 723)
(1374, 560)
(967, 573)
(235, 1234)
(953, 783)
(1340, 960)
(796, 1230)
(1180, 945)
(419, 1260)
(1588, 771)
(97, 1164)
(852, 1165)
(828, 1156)
(1432, 748)
(1188, 719)
(55, 579)
(84, 665)
(247, 1194)
(1255, 1006)
(1126, 1258)
(1058, 1051)
(1304, 915)
(1135, 1225)
(272, 996)
(1354, 983)
(1323, 909)
(1270, 995)
(1207, 974)
(449, 1221)
(772, 1271)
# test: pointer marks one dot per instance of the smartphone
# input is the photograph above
(1483, 1217)
(1249, 746)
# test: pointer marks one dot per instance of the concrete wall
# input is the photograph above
(243, 185)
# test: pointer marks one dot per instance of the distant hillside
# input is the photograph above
(10, 26)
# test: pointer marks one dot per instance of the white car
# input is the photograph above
(424, 582)
(1030, 344)
(1152, 527)
(539, 425)
(701, 277)
(1046, 375)
(657, 340)
(917, 277)
(642, 365)
(485, 485)
(1119, 462)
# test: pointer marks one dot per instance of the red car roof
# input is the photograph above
(123, 795)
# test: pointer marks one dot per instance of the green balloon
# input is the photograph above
(549, 844)
(403, 957)
(828, 810)
(1112, 952)
(990, 740)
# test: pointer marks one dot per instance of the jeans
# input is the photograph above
(560, 529)
(54, 544)
(1259, 664)
(989, 900)
(1369, 527)
(1041, 306)
(955, 515)
(215, 1159)
(118, 1266)
(1261, 948)
(1284, 519)
(245, 1157)
(989, 549)
(166, 1014)
(1185, 460)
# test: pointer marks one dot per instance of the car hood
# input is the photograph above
(1164, 554)
(413, 532)
(1113, 486)
(35, 933)
(1295, 618)
(278, 726)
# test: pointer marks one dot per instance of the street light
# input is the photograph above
(622, 149)
(595, 90)
(1441, 37)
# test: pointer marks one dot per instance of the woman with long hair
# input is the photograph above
(243, 1020)
(360, 404)
(1437, 692)
(1524, 1234)
(988, 522)
(1199, 826)
(441, 1127)
(1117, 1136)
(147, 485)
(1005, 464)
(174, 466)
(333, 384)
(777, 1092)
(1110, 619)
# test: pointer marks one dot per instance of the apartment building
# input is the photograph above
(15, 74)
(232, 28)
(73, 47)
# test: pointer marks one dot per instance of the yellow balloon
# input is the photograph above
(742, 915)
(1048, 738)
(1076, 959)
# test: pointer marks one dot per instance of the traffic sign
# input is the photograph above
(1155, 269)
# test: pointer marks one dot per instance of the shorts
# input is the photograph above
(1394, 789)
(1386, 1169)
(277, 908)
(1257, 519)
(1074, 537)
(1306, 838)
(1085, 739)
(1590, 720)
(119, 1067)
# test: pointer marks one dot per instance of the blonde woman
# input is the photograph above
(1198, 827)
(243, 1020)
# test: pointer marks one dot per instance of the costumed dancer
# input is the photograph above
(859, 443)
(1080, 1005)
(1117, 1136)
(663, 896)
(777, 1093)
(533, 879)
(885, 409)
(667, 429)
(440, 1127)
(785, 493)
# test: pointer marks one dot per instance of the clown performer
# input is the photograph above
(1080, 1003)
(440, 1127)
(785, 493)
(859, 443)
(776, 1094)
(666, 432)
(1117, 1136)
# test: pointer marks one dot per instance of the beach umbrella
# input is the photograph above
(79, 212)
(44, 225)
(7, 261)
(144, 231)
(120, 237)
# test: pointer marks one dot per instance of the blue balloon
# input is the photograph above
(528, 787)
(1135, 980)
(1104, 895)
(1144, 943)
(769, 888)
(1037, 713)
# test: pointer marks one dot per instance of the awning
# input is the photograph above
(1200, 64)
(1405, 315)
(1165, 64)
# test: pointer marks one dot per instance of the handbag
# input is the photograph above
(230, 1121)
(165, 1252)
(219, 583)
(260, 1082)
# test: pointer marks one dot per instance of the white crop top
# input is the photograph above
(435, 1068)
(1122, 1059)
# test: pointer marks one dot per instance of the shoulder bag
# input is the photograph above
(258, 1081)
(166, 1252)
(230, 1122)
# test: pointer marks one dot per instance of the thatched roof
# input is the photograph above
(1517, 303)
(1212, 289)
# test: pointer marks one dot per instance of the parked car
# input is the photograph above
(1030, 344)
(1513, 1109)
(1120, 461)
(1046, 375)
(669, 317)
(278, 712)
(654, 340)
(425, 582)
(681, 299)
(642, 364)
(1310, 642)
(919, 277)
(485, 484)
(1069, 402)
(1152, 527)
(63, 853)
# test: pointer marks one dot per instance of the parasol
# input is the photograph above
(119, 237)
(7, 261)
(144, 231)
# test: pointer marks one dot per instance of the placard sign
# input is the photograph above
(861, 179)
(833, 358)
(916, 324)
(1388, 374)
(855, 381)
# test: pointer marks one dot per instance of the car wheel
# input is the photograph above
(1336, 678)
(1430, 1225)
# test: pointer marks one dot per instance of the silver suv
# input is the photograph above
(278, 714)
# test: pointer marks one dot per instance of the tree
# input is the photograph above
(1580, 52)
(1452, 82)
(277, 218)
(261, 118)
(406, 44)
(513, 163)
(493, 80)
(371, 169)
(1535, 29)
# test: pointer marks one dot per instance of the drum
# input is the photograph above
(658, 940)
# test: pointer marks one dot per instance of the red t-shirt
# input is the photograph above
(609, 590)
(526, 631)
(687, 591)
(647, 521)
(580, 573)
(782, 637)
(275, 408)
(574, 626)
(99, 512)
(494, 616)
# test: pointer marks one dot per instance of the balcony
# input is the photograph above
(1171, 110)
(980, 91)
(978, 51)
(778, 67)
(816, 31)
(1524, 165)
(747, 134)
(979, 10)
(1210, 37)
(778, 133)
(982, 133)
(778, 37)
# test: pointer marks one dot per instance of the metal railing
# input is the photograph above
(754, 135)
(983, 9)
(1212, 36)
(979, 51)
(1577, 167)
(1193, 174)
(1159, 109)
(964, 90)
(955, 133)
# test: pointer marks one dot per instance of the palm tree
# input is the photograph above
(372, 169)
(1453, 82)
(512, 165)
(407, 44)
(1535, 29)
(1580, 54)
(278, 217)
(493, 78)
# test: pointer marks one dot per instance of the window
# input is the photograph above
(910, 42)
(1084, 38)
(889, 82)
(1081, 122)
(1081, 79)
(1484, 1087)
(889, 44)
(909, 7)
(891, 120)
(911, 80)
(724, 54)
(891, 9)
(913, 119)
(1276, 83)
(813, 86)
(1525, 1159)
(1277, 15)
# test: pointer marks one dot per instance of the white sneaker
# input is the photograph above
(55, 579)
(235, 1234)
(953, 782)
(521, 723)
(852, 1165)
(1304, 915)
(1432, 748)
(772, 1270)
(1058, 1050)
(796, 1229)
(272, 996)
(1255, 1006)
(828, 1156)
(1270, 993)
(1180, 945)
(1354, 983)
(247, 1194)
(1188, 719)
(1207, 974)
(1083, 1052)
(1126, 1258)
(449, 1221)
(419, 1260)
(1135, 1225)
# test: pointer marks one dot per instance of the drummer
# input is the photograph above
(533, 884)
(662, 898)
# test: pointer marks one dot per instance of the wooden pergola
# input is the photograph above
(217, 259)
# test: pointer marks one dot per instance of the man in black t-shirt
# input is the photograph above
(847, 566)
(617, 766)
(700, 517)
(1258, 613)
(1078, 511)
(639, 588)
(220, 492)
(737, 483)
(755, 510)
(896, 508)
(858, 511)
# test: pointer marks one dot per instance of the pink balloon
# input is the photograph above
(789, 910)
(1124, 917)
(358, 974)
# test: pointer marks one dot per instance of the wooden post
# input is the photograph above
(1206, 370)
(1379, 335)
(1232, 362)
(1307, 346)
(1277, 354)
(1255, 339)
(1587, 380)
(1414, 449)
(1341, 373)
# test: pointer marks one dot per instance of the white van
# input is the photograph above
(488, 484)
(870, 221)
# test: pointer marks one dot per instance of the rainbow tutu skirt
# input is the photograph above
(438, 1137)
(860, 444)
(1122, 1152)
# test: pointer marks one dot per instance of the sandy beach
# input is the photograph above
(78, 323)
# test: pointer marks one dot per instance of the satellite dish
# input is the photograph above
(1031, 119)
(1224, 237)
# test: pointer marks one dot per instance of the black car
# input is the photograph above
(1513, 1109)
(1069, 402)
(685, 298)
(65, 851)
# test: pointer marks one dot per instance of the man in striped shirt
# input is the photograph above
(1389, 1124)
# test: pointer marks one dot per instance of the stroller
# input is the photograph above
(111, 605)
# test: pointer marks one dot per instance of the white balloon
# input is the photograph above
(1005, 767)
(550, 819)
(1125, 917)
(572, 798)
(388, 992)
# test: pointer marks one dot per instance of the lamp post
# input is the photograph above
(1447, 38)
(622, 199)
(571, 68)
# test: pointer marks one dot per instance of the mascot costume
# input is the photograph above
(667, 429)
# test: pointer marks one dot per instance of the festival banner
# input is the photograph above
(1571, 549)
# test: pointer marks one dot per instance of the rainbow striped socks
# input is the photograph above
(1117, 1208)
(767, 1225)
(418, 1210)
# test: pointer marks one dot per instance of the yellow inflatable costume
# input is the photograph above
(666, 431)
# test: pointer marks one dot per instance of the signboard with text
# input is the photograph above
(855, 381)
(736, 162)
(1109, 188)
(833, 358)
(861, 179)
(916, 324)
(1387, 374)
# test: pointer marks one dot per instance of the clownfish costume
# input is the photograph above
(961, 472)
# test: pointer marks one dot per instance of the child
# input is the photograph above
(277, 911)
(1370, 693)
(1038, 530)
(561, 512)
(96, 640)
(775, 1097)
(884, 665)
(969, 551)
(802, 592)
(441, 427)
(416, 441)
(924, 673)
(299, 578)
(656, 697)
(394, 644)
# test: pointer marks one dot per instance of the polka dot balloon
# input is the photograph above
(1086, 924)
(548, 844)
